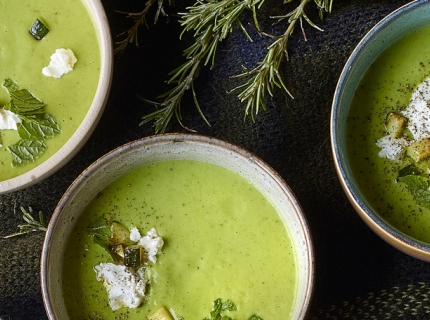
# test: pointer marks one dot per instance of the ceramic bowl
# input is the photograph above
(172, 147)
(91, 119)
(392, 28)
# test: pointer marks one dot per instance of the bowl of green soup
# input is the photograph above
(56, 67)
(178, 226)
(380, 129)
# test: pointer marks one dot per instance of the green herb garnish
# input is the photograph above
(418, 185)
(228, 305)
(408, 170)
(35, 128)
(419, 188)
(26, 151)
(99, 230)
(31, 224)
(38, 30)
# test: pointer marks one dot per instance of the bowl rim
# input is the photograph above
(91, 119)
(192, 138)
(382, 228)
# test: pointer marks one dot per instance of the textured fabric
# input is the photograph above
(358, 276)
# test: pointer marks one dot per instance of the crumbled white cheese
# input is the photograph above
(152, 243)
(391, 148)
(422, 92)
(125, 287)
(418, 115)
(8, 120)
(62, 62)
(135, 234)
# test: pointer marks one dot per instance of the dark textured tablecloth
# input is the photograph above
(358, 275)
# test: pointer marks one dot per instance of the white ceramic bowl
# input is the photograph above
(172, 147)
(85, 129)
(392, 28)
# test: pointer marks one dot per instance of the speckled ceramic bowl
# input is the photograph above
(396, 25)
(91, 119)
(172, 147)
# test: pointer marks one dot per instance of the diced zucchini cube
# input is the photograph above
(133, 256)
(38, 30)
(161, 314)
(118, 250)
(395, 124)
(120, 234)
(419, 150)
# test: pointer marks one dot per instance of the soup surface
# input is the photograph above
(223, 239)
(387, 87)
(22, 59)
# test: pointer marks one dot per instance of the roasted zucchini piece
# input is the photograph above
(395, 124)
(120, 234)
(161, 314)
(419, 150)
(118, 250)
(133, 256)
(38, 30)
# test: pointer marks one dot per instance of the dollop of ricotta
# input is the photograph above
(8, 120)
(62, 62)
(152, 242)
(418, 115)
(125, 287)
(391, 148)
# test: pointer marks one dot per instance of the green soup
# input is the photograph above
(22, 59)
(223, 239)
(387, 87)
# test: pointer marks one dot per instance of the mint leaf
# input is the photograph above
(255, 317)
(36, 125)
(26, 151)
(218, 307)
(408, 170)
(419, 188)
(37, 129)
(10, 85)
(22, 101)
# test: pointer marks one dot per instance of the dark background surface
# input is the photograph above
(358, 275)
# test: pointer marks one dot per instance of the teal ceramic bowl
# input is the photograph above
(392, 28)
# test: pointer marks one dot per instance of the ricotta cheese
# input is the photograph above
(62, 62)
(391, 148)
(418, 115)
(152, 243)
(8, 120)
(125, 287)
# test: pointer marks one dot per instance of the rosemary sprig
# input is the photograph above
(211, 21)
(31, 224)
(139, 18)
(265, 77)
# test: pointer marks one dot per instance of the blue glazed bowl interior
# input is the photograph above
(398, 24)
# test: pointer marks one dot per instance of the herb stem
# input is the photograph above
(31, 225)
(211, 21)
(266, 76)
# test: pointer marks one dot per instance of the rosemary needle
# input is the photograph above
(210, 21)
(31, 224)
(139, 18)
(266, 76)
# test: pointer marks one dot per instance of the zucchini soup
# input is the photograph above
(221, 245)
(49, 107)
(388, 135)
